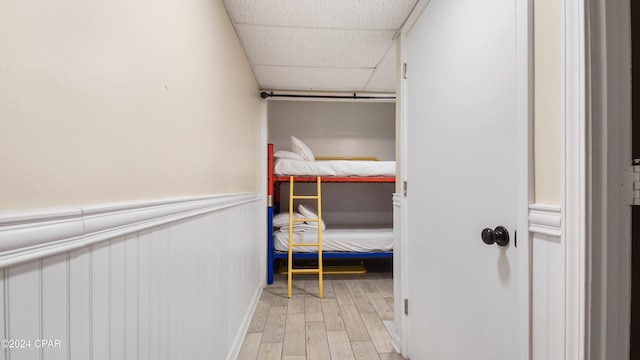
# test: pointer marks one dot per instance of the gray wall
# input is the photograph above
(340, 129)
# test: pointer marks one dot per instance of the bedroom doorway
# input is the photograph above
(336, 129)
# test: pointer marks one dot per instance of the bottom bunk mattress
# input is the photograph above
(360, 240)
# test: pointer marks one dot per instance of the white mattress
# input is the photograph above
(342, 168)
(351, 240)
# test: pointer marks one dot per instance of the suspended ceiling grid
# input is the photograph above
(318, 45)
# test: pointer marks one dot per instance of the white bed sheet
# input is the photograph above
(351, 240)
(342, 168)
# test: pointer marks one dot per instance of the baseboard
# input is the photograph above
(396, 342)
(29, 235)
(246, 322)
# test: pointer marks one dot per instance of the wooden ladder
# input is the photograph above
(318, 220)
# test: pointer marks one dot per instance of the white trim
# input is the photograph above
(25, 229)
(264, 141)
(574, 185)
(400, 200)
(400, 278)
(413, 18)
(524, 179)
(34, 234)
(236, 346)
(397, 199)
(545, 219)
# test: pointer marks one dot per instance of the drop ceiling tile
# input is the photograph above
(343, 14)
(383, 78)
(317, 79)
(314, 47)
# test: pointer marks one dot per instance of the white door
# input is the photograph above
(461, 171)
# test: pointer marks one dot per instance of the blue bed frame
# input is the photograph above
(273, 255)
(273, 207)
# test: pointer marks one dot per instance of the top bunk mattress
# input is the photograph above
(340, 168)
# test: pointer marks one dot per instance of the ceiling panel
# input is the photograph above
(316, 79)
(314, 47)
(383, 78)
(328, 45)
(340, 14)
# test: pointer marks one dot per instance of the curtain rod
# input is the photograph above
(265, 95)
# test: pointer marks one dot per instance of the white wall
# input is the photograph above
(160, 280)
(120, 100)
(105, 102)
(340, 129)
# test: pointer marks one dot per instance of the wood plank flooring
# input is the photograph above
(348, 323)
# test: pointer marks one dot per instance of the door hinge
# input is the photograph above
(404, 70)
(404, 188)
(631, 183)
(406, 306)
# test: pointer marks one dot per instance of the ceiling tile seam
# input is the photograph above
(319, 67)
(375, 70)
(415, 6)
(244, 49)
(314, 27)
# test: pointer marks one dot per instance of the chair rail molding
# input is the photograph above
(33, 234)
(545, 219)
(135, 279)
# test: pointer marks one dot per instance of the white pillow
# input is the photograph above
(285, 154)
(310, 212)
(282, 219)
(301, 149)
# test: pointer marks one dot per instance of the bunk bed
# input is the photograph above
(376, 243)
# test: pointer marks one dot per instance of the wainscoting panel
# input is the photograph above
(54, 303)
(547, 283)
(3, 352)
(79, 293)
(181, 285)
(100, 305)
(23, 308)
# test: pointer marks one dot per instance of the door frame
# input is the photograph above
(574, 185)
(524, 193)
(596, 182)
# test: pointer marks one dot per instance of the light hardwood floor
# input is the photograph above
(349, 322)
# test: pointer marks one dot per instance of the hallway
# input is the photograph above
(349, 322)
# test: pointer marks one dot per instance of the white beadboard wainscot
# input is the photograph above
(547, 283)
(169, 279)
